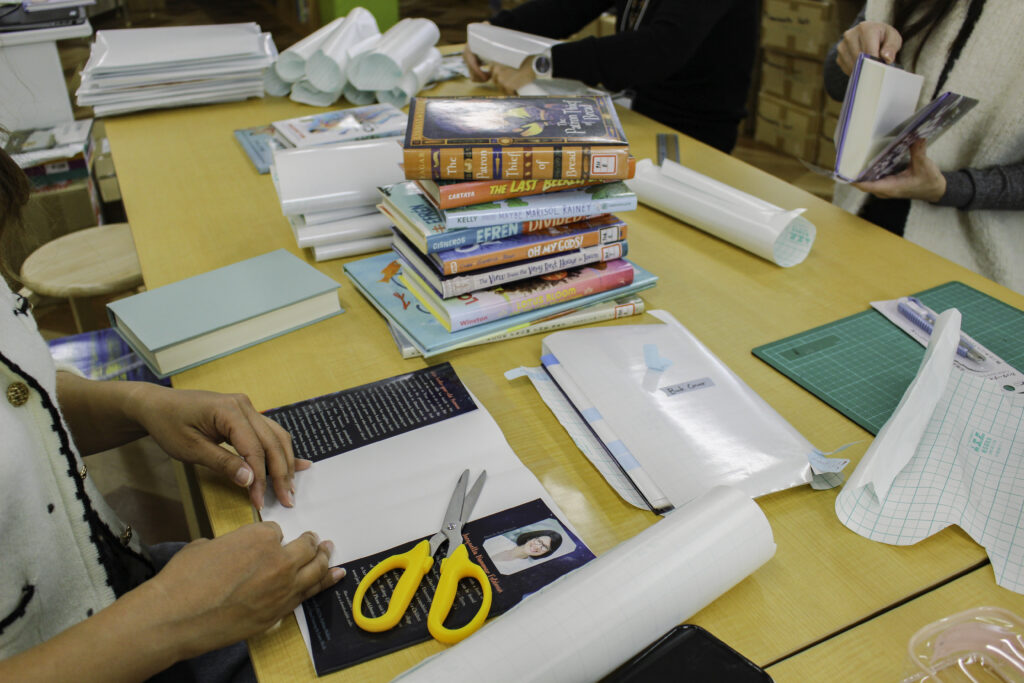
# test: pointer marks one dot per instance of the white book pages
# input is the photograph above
(351, 248)
(399, 49)
(304, 93)
(503, 45)
(326, 67)
(337, 176)
(348, 229)
(175, 45)
(575, 629)
(782, 237)
(291, 65)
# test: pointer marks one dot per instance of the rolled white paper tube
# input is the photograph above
(326, 67)
(291, 63)
(399, 49)
(587, 623)
(272, 83)
(304, 92)
(357, 96)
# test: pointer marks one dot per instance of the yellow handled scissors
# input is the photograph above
(417, 562)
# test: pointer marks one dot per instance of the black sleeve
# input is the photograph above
(660, 48)
(835, 79)
(996, 187)
(552, 18)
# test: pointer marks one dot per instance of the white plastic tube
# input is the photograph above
(305, 93)
(326, 67)
(291, 63)
(412, 82)
(400, 48)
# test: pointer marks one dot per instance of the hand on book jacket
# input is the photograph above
(510, 79)
(875, 38)
(216, 592)
(477, 73)
(922, 179)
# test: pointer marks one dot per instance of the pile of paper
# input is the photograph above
(329, 194)
(351, 57)
(150, 68)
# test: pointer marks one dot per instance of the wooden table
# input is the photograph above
(195, 203)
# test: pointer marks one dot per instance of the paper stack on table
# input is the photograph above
(149, 68)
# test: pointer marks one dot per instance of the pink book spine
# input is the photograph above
(484, 306)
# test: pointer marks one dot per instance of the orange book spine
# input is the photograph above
(519, 163)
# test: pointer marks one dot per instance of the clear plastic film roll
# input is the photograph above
(400, 48)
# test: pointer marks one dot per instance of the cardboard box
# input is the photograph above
(803, 27)
(788, 127)
(796, 79)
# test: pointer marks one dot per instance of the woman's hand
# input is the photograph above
(216, 592)
(476, 71)
(511, 79)
(922, 179)
(874, 38)
(191, 425)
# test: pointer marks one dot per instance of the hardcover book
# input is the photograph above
(343, 125)
(448, 194)
(378, 278)
(448, 286)
(586, 201)
(547, 242)
(195, 320)
(422, 223)
(488, 305)
(259, 143)
(879, 120)
(478, 138)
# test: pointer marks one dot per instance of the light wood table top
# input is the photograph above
(195, 203)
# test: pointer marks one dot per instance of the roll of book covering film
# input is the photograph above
(326, 67)
(587, 623)
(780, 236)
(400, 48)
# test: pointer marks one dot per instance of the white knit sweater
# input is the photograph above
(62, 557)
(991, 69)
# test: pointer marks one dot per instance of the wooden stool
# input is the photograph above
(84, 264)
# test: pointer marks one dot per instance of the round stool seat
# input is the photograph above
(85, 263)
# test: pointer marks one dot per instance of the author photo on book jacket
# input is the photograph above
(685, 63)
(81, 597)
(528, 546)
(963, 196)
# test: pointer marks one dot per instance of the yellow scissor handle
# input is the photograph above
(415, 563)
(453, 569)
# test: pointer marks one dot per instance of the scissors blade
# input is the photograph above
(474, 493)
(451, 527)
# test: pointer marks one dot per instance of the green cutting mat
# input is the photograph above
(862, 365)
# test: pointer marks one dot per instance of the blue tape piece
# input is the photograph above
(653, 358)
(622, 454)
(549, 359)
(591, 415)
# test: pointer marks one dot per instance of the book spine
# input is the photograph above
(517, 163)
(580, 207)
(465, 237)
(482, 307)
(480, 191)
(453, 264)
(472, 282)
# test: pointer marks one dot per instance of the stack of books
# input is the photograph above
(507, 223)
(135, 69)
(55, 156)
(326, 170)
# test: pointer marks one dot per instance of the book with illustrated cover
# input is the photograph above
(448, 194)
(422, 223)
(586, 201)
(378, 278)
(546, 242)
(102, 354)
(880, 120)
(479, 138)
(343, 125)
(503, 301)
(448, 286)
(584, 315)
(259, 143)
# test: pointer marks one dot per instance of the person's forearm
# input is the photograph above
(997, 187)
(128, 641)
(100, 413)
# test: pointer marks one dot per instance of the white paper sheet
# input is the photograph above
(590, 621)
(326, 67)
(399, 49)
(134, 48)
(951, 453)
(315, 218)
(782, 237)
(346, 248)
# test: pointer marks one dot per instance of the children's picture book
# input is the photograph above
(478, 138)
(447, 286)
(503, 301)
(343, 125)
(448, 194)
(586, 201)
(879, 120)
(259, 143)
(423, 225)
(387, 454)
(546, 242)
(604, 310)
(378, 278)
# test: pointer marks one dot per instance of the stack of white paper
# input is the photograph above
(329, 194)
(149, 68)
